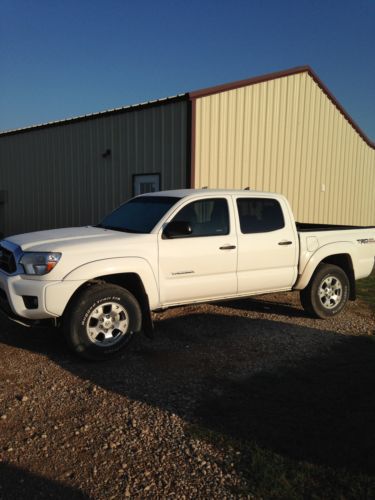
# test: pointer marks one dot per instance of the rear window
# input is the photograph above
(260, 215)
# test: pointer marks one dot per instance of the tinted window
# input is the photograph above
(206, 217)
(139, 215)
(259, 215)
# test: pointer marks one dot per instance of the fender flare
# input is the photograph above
(119, 265)
(58, 295)
(329, 250)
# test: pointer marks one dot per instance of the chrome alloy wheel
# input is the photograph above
(107, 324)
(330, 292)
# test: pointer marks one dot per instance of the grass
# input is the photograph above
(270, 475)
(300, 432)
(366, 290)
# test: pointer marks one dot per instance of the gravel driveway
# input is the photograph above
(173, 416)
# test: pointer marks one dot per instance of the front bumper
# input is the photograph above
(28, 297)
(12, 291)
(52, 296)
(6, 311)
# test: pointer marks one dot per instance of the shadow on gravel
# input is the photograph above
(17, 483)
(306, 394)
(322, 411)
(288, 310)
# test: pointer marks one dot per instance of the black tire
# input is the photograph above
(327, 293)
(101, 320)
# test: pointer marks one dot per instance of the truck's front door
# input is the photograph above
(267, 245)
(201, 265)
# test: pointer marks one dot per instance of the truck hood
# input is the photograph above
(58, 240)
(82, 245)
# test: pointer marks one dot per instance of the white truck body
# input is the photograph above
(181, 270)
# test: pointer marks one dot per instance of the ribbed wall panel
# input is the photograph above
(56, 176)
(285, 135)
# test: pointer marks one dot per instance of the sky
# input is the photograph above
(64, 58)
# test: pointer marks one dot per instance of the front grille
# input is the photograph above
(7, 261)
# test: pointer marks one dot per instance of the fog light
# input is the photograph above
(30, 301)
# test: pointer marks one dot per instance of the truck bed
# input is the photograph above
(304, 226)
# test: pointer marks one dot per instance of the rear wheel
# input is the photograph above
(101, 321)
(327, 293)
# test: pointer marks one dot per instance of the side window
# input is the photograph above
(259, 215)
(207, 217)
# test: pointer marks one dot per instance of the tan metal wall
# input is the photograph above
(286, 136)
(56, 176)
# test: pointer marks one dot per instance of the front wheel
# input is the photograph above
(101, 320)
(327, 293)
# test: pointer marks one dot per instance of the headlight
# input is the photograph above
(39, 262)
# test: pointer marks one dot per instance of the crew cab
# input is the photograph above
(164, 249)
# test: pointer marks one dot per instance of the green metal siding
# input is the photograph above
(56, 176)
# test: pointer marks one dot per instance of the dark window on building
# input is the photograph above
(259, 215)
(207, 217)
(145, 183)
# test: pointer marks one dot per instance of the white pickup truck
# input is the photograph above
(176, 247)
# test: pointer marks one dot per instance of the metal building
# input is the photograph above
(73, 172)
(282, 132)
(286, 133)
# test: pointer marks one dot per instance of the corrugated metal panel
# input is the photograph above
(286, 135)
(97, 114)
(57, 176)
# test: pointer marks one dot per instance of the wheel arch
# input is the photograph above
(129, 281)
(341, 255)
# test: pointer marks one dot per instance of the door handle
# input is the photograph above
(285, 242)
(228, 247)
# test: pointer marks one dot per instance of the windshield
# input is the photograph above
(139, 215)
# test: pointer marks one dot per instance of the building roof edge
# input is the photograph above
(99, 114)
(204, 93)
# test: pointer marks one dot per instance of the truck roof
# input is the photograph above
(182, 193)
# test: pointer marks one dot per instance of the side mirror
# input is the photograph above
(177, 229)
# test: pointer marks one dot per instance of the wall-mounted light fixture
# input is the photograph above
(106, 153)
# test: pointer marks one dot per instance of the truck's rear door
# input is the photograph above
(267, 244)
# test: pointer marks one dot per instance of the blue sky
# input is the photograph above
(63, 58)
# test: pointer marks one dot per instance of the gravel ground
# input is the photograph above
(145, 424)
